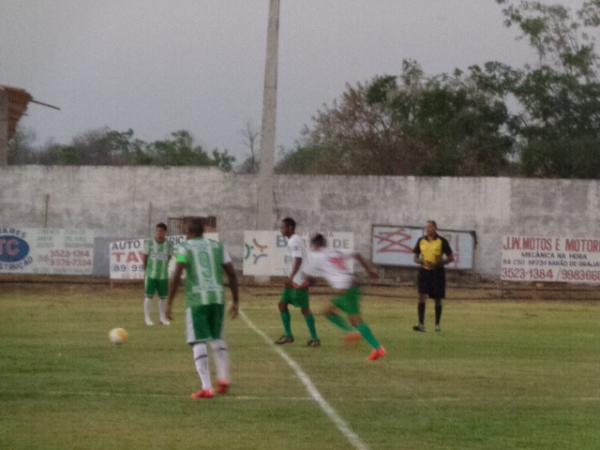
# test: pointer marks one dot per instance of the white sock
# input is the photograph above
(221, 354)
(147, 309)
(162, 306)
(201, 362)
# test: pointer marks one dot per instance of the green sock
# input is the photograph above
(340, 322)
(364, 329)
(286, 318)
(310, 322)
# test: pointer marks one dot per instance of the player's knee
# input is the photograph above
(355, 320)
(282, 307)
(306, 311)
(438, 302)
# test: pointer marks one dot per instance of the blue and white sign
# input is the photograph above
(46, 251)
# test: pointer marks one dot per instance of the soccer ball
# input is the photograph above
(118, 335)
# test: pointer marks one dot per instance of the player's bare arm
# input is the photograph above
(145, 260)
(235, 292)
(174, 286)
(295, 269)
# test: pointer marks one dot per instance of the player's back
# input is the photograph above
(333, 266)
(204, 270)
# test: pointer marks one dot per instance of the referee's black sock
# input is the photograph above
(438, 310)
(421, 310)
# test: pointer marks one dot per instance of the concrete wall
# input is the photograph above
(127, 201)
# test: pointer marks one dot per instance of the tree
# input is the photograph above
(20, 147)
(250, 140)
(110, 147)
(557, 126)
(408, 124)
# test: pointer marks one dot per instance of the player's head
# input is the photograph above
(288, 227)
(195, 228)
(431, 228)
(160, 232)
(318, 242)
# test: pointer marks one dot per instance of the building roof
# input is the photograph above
(18, 99)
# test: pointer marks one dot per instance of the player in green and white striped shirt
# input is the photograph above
(157, 253)
(204, 261)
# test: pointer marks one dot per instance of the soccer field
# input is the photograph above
(501, 375)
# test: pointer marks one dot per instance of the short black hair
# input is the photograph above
(288, 221)
(318, 240)
(433, 222)
(162, 225)
(196, 226)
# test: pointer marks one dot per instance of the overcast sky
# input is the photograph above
(161, 65)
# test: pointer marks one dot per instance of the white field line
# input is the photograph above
(341, 425)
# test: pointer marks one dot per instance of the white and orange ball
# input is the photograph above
(118, 335)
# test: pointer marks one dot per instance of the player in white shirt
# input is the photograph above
(333, 267)
(296, 287)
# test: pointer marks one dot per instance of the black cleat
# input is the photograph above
(315, 343)
(419, 328)
(285, 340)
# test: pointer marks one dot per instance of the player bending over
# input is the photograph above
(204, 261)
(296, 288)
(156, 255)
(332, 265)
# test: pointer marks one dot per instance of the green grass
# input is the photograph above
(502, 375)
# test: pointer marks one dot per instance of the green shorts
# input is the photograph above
(349, 301)
(296, 297)
(204, 322)
(153, 286)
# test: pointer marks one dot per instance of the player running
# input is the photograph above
(156, 255)
(296, 288)
(333, 266)
(204, 261)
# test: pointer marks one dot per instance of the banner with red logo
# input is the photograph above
(393, 246)
(126, 257)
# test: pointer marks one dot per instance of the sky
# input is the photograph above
(158, 66)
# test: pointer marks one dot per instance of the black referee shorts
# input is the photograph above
(432, 283)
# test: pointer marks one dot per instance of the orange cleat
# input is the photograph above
(204, 393)
(377, 354)
(223, 387)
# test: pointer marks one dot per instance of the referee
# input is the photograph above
(431, 281)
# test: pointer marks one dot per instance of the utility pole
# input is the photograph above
(264, 221)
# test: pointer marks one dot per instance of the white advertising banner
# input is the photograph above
(550, 259)
(265, 252)
(46, 251)
(126, 261)
(393, 246)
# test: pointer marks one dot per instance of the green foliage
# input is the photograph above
(460, 123)
(558, 124)
(410, 124)
(110, 147)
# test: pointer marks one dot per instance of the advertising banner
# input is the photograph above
(393, 246)
(126, 261)
(266, 254)
(46, 251)
(550, 259)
